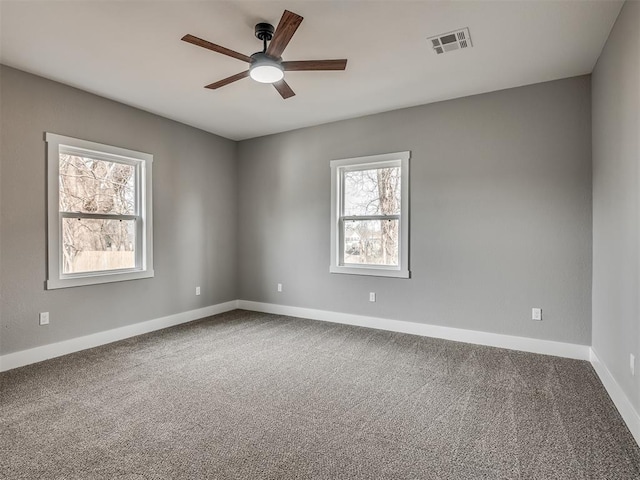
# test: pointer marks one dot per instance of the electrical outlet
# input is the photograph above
(536, 314)
(632, 363)
(197, 290)
(279, 287)
(44, 318)
(372, 296)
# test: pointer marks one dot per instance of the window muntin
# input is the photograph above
(369, 225)
(99, 213)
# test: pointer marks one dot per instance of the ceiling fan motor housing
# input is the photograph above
(261, 57)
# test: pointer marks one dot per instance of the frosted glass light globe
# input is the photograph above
(266, 72)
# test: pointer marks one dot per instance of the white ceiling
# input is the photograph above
(130, 51)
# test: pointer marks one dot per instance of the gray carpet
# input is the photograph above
(249, 396)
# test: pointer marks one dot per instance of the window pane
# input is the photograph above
(96, 186)
(93, 245)
(372, 242)
(372, 192)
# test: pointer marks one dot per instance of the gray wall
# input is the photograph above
(500, 213)
(194, 207)
(616, 197)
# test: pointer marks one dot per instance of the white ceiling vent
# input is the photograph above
(448, 42)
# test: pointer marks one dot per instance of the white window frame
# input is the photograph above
(143, 215)
(338, 167)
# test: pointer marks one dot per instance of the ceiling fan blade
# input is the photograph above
(284, 89)
(216, 48)
(288, 25)
(228, 80)
(309, 65)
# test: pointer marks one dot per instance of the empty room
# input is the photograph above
(320, 239)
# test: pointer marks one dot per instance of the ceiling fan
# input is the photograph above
(267, 66)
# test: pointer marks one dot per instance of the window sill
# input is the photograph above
(97, 279)
(371, 271)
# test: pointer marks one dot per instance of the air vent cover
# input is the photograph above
(448, 42)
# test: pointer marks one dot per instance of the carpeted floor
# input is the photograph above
(249, 396)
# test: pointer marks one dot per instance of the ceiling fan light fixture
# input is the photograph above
(266, 71)
(267, 66)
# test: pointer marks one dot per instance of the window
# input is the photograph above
(99, 205)
(370, 215)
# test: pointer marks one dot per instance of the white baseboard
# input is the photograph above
(38, 354)
(546, 347)
(620, 399)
